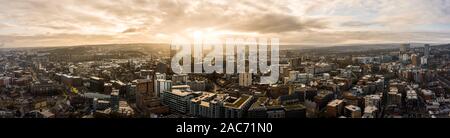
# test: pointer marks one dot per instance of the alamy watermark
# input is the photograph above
(249, 55)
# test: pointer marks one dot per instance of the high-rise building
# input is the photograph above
(415, 60)
(245, 79)
(178, 100)
(146, 98)
(352, 111)
(426, 50)
(423, 60)
(394, 97)
(96, 84)
(373, 100)
(114, 100)
(145, 87)
(412, 102)
(200, 106)
(335, 108)
(108, 87)
(162, 85)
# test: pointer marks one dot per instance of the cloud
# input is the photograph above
(358, 24)
(276, 23)
(28, 22)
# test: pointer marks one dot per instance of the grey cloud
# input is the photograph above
(358, 24)
(277, 23)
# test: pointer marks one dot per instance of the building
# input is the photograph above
(200, 106)
(179, 79)
(178, 100)
(412, 101)
(44, 88)
(394, 98)
(319, 68)
(352, 111)
(237, 107)
(147, 100)
(216, 105)
(264, 107)
(423, 60)
(108, 87)
(335, 108)
(73, 81)
(295, 111)
(197, 85)
(258, 109)
(304, 77)
(427, 94)
(96, 84)
(275, 111)
(162, 85)
(114, 100)
(370, 112)
(323, 98)
(415, 60)
(146, 73)
(426, 50)
(373, 100)
(130, 93)
(245, 79)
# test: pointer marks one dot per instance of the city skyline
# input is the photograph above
(25, 23)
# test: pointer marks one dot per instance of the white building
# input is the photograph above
(178, 100)
(162, 85)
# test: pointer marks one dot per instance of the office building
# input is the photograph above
(114, 100)
(335, 108)
(426, 50)
(370, 112)
(162, 85)
(200, 106)
(178, 100)
(96, 84)
(352, 111)
(236, 107)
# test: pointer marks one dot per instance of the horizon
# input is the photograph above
(282, 46)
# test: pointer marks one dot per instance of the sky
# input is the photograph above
(304, 22)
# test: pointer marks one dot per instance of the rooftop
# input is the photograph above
(353, 108)
(238, 103)
(335, 103)
(294, 107)
(181, 93)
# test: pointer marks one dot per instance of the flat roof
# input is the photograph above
(294, 107)
(204, 96)
(335, 102)
(181, 92)
(237, 104)
(353, 108)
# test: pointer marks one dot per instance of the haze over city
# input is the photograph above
(26, 23)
